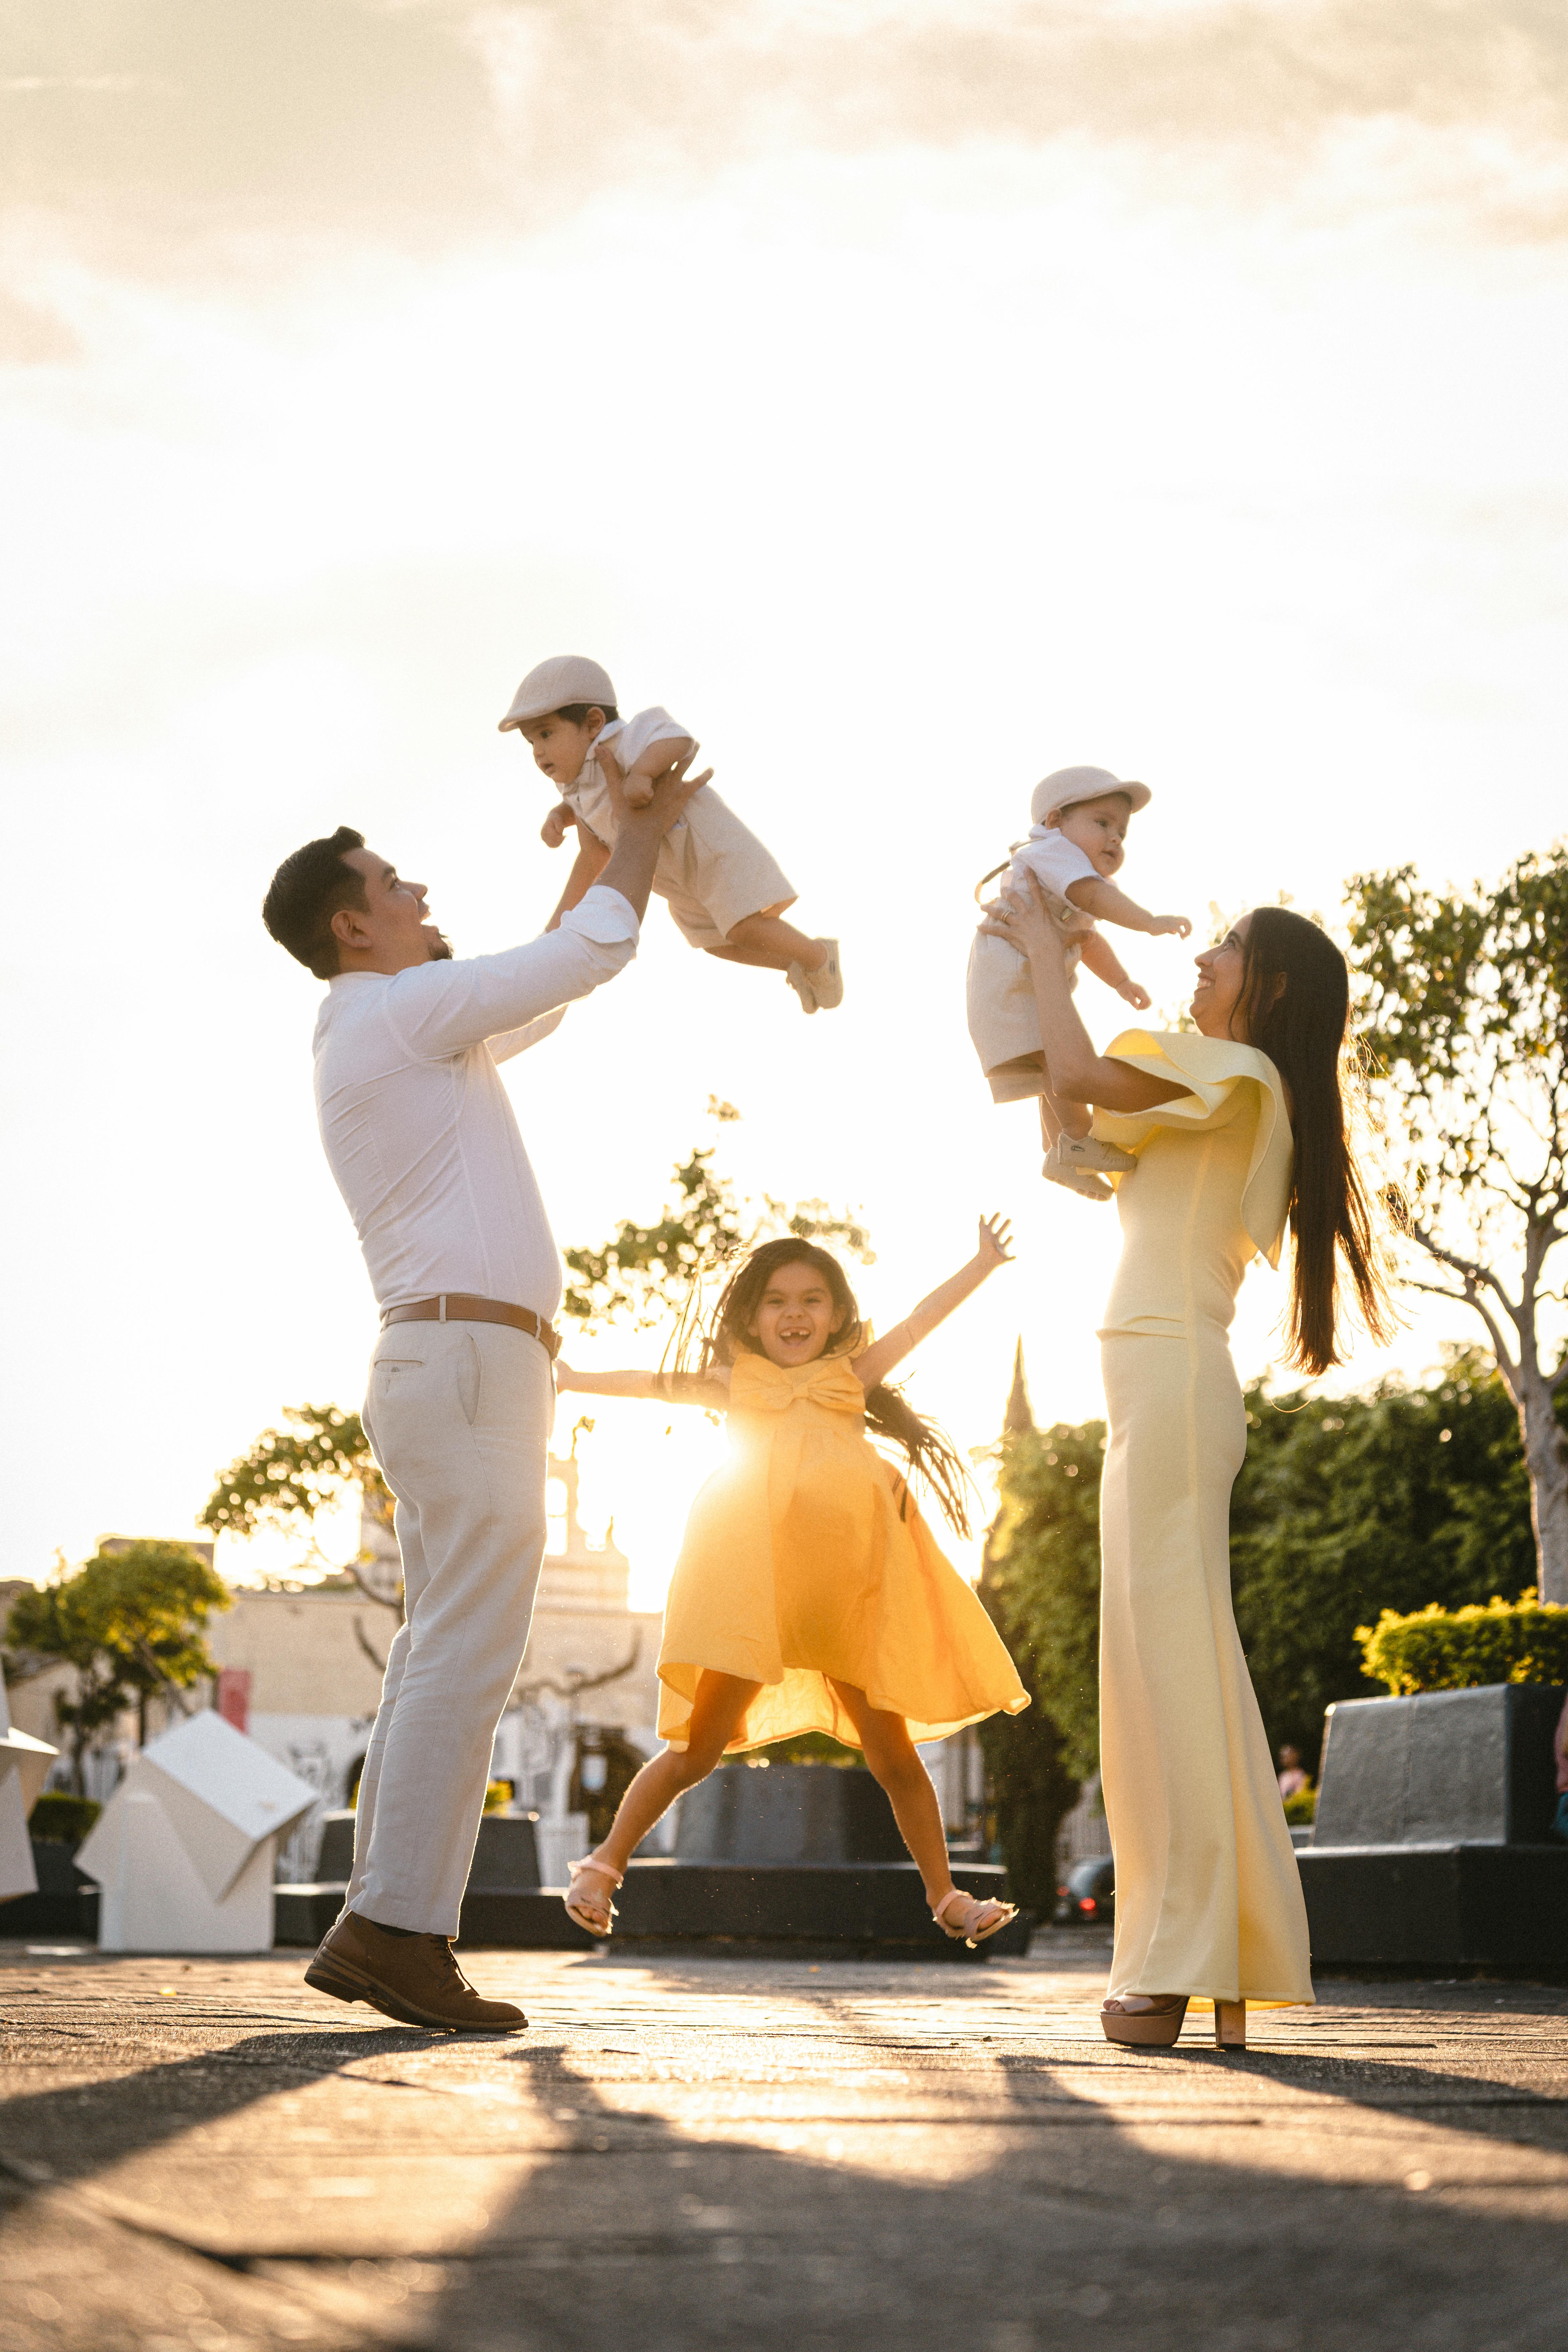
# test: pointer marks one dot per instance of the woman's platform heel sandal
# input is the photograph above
(984, 1917)
(589, 1910)
(1152, 2026)
(1230, 2025)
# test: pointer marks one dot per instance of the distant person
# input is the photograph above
(726, 891)
(1235, 1132)
(1292, 1779)
(421, 1138)
(1560, 1752)
(810, 1594)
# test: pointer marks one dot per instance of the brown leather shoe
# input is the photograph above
(415, 1978)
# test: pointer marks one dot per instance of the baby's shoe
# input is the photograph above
(1073, 1160)
(823, 988)
(1090, 1157)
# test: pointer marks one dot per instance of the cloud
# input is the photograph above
(172, 132)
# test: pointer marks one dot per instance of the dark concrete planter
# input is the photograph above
(787, 1813)
(66, 1902)
(503, 1905)
(801, 1858)
(1432, 1844)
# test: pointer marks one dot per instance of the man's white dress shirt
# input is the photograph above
(419, 1129)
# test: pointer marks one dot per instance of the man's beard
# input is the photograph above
(441, 949)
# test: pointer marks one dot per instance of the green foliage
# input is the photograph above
(816, 1748)
(292, 1473)
(1301, 1808)
(1041, 1584)
(646, 1274)
(1463, 1005)
(130, 1624)
(1041, 1581)
(60, 1819)
(1461, 988)
(1343, 1507)
(1441, 1649)
(1346, 1507)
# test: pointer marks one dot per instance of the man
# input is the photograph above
(420, 1135)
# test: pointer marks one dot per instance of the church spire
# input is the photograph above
(1019, 1415)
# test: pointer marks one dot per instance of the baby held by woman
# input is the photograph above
(1076, 843)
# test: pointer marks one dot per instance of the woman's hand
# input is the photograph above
(1022, 918)
(996, 1242)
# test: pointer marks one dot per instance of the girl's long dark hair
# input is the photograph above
(929, 1450)
(1294, 1006)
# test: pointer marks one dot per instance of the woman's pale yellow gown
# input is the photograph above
(1208, 1899)
(800, 1565)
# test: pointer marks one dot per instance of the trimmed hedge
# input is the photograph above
(61, 1818)
(1454, 1649)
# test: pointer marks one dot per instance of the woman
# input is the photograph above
(1208, 1901)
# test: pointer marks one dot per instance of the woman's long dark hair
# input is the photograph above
(929, 1450)
(1294, 1006)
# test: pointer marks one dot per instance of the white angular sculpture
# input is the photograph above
(24, 1768)
(183, 1850)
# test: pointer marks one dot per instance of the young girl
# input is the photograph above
(809, 1595)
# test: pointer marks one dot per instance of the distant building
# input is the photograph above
(300, 1670)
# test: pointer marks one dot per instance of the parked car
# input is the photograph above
(1087, 1898)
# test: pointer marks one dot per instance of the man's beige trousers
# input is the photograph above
(459, 1416)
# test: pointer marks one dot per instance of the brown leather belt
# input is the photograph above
(458, 1307)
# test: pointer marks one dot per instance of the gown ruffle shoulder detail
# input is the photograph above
(806, 1561)
(1225, 1081)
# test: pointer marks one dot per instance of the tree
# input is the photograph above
(1036, 1761)
(1465, 1004)
(647, 1273)
(130, 1623)
(1344, 1507)
(291, 1474)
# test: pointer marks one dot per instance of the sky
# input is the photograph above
(914, 397)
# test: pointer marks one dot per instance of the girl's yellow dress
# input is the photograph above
(1208, 1898)
(798, 1565)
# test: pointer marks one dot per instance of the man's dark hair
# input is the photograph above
(305, 893)
(575, 714)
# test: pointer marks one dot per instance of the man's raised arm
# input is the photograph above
(444, 1008)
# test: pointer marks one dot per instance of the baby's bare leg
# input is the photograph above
(721, 1700)
(1062, 1119)
(767, 940)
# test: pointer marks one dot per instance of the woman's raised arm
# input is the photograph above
(995, 1249)
(1078, 1073)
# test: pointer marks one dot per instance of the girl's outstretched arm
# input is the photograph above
(709, 1387)
(995, 1249)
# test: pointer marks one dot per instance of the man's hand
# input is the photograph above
(668, 799)
(639, 831)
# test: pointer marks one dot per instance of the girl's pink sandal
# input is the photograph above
(978, 1928)
(597, 1921)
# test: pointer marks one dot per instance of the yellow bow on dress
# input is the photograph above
(759, 1385)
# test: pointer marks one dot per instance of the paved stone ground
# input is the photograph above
(206, 2156)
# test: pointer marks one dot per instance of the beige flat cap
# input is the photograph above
(568, 678)
(1064, 787)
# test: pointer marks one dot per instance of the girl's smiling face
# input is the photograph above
(793, 1321)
